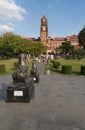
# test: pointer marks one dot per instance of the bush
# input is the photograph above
(67, 69)
(56, 64)
(2, 69)
(82, 70)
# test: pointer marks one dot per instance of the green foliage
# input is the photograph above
(55, 63)
(82, 70)
(69, 52)
(66, 48)
(76, 65)
(67, 57)
(11, 44)
(80, 53)
(37, 48)
(52, 61)
(81, 37)
(11, 65)
(67, 69)
(2, 69)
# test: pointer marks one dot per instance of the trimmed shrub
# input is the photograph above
(82, 70)
(67, 69)
(2, 69)
(56, 64)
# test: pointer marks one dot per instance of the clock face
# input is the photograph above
(44, 28)
(43, 20)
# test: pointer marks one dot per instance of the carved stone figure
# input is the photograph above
(34, 66)
(22, 87)
(21, 73)
(34, 72)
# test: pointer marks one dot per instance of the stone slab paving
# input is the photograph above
(59, 104)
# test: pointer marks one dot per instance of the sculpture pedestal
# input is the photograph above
(20, 92)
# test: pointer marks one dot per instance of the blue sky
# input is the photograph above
(23, 17)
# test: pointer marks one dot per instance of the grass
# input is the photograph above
(76, 65)
(9, 65)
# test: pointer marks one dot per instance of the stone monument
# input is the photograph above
(34, 72)
(22, 87)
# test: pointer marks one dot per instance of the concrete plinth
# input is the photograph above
(20, 92)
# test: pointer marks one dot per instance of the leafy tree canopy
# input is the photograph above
(66, 47)
(37, 48)
(11, 44)
(81, 37)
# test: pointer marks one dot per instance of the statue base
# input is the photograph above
(20, 91)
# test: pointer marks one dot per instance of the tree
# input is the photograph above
(11, 44)
(37, 48)
(81, 37)
(66, 48)
(5, 47)
(79, 53)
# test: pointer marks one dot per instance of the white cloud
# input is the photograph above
(9, 10)
(11, 24)
(5, 28)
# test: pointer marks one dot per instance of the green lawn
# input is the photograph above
(76, 65)
(9, 65)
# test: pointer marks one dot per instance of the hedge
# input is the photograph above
(82, 70)
(67, 69)
(56, 64)
(2, 69)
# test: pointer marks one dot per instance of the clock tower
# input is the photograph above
(44, 30)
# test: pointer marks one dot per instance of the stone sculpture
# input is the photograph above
(34, 72)
(21, 74)
(22, 87)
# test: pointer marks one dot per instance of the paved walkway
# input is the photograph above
(59, 104)
(41, 67)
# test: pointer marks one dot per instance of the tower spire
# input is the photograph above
(44, 30)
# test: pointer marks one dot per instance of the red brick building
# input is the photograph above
(53, 43)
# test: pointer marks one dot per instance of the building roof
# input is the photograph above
(64, 38)
(73, 37)
(59, 38)
(30, 39)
